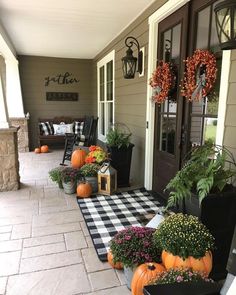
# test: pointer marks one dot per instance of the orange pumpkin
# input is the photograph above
(203, 264)
(78, 158)
(44, 149)
(143, 274)
(84, 190)
(37, 150)
(117, 265)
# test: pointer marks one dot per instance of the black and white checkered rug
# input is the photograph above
(106, 215)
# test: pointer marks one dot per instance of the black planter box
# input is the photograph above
(201, 288)
(218, 213)
(121, 161)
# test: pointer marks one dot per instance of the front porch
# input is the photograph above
(45, 247)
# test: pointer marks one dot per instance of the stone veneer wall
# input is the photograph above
(9, 168)
(22, 134)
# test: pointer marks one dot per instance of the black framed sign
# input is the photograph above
(62, 96)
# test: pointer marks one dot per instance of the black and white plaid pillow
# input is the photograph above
(46, 128)
(79, 126)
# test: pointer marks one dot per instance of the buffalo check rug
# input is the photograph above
(106, 215)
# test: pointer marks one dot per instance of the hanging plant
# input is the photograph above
(161, 82)
(200, 75)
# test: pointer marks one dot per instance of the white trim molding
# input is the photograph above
(224, 88)
(106, 59)
(164, 11)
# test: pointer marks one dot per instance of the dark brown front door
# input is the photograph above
(168, 116)
(178, 123)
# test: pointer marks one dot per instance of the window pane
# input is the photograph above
(102, 75)
(203, 28)
(110, 90)
(102, 83)
(110, 71)
(110, 114)
(102, 119)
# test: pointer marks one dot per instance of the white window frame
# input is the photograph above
(103, 62)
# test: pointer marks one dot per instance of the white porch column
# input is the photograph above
(4, 118)
(13, 89)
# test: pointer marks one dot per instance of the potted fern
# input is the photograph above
(202, 188)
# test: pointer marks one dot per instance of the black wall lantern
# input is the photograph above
(225, 12)
(129, 62)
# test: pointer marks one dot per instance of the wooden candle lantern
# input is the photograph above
(107, 179)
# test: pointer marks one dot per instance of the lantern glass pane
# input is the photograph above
(224, 24)
(131, 67)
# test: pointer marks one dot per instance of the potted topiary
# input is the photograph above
(202, 188)
(55, 175)
(69, 177)
(133, 246)
(185, 242)
(90, 171)
(120, 150)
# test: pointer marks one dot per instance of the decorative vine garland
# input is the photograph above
(161, 82)
(200, 75)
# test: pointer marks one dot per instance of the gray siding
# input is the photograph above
(33, 71)
(131, 95)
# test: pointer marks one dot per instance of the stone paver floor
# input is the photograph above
(45, 248)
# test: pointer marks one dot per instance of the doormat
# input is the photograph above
(106, 215)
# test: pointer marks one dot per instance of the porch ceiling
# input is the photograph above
(66, 28)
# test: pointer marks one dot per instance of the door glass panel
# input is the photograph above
(168, 110)
(166, 45)
(176, 43)
(204, 113)
(203, 28)
(168, 130)
(214, 42)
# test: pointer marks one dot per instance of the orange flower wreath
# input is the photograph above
(200, 75)
(161, 82)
